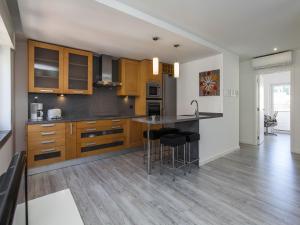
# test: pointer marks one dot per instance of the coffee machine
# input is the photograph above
(36, 111)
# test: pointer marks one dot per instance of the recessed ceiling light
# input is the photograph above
(275, 49)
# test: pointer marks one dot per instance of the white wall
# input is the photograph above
(6, 155)
(189, 85)
(296, 102)
(226, 129)
(247, 103)
(21, 98)
(248, 95)
(7, 34)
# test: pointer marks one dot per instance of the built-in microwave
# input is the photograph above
(153, 90)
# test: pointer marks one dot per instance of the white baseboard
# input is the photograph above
(212, 158)
(248, 142)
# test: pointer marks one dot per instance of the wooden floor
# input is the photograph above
(256, 185)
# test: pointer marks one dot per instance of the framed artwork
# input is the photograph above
(209, 83)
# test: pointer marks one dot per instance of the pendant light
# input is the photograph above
(155, 61)
(176, 65)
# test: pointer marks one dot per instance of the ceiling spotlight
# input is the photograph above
(275, 49)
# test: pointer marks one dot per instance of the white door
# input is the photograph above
(260, 110)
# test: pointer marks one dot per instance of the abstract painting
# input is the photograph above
(209, 83)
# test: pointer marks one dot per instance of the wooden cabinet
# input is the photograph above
(129, 75)
(135, 134)
(150, 76)
(78, 77)
(101, 136)
(55, 142)
(70, 145)
(46, 144)
(45, 68)
(56, 69)
(146, 75)
(167, 69)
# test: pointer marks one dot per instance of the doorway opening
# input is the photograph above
(274, 106)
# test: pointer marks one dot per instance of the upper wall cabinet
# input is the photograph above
(45, 64)
(167, 69)
(55, 69)
(129, 75)
(78, 77)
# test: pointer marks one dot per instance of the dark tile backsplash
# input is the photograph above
(104, 101)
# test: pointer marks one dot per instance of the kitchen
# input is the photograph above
(66, 120)
(109, 99)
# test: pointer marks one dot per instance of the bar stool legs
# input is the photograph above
(190, 162)
(174, 150)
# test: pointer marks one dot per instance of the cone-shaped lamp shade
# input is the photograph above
(176, 69)
(155, 64)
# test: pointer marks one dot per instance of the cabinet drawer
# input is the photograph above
(99, 123)
(103, 137)
(43, 135)
(46, 143)
(46, 156)
(46, 127)
(103, 144)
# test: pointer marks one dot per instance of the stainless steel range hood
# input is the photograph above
(105, 76)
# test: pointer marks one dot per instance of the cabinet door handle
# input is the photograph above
(91, 129)
(48, 150)
(90, 144)
(48, 125)
(48, 133)
(91, 122)
(71, 128)
(116, 121)
(78, 92)
(48, 142)
(46, 90)
(116, 127)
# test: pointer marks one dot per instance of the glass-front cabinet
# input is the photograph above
(56, 69)
(45, 67)
(77, 71)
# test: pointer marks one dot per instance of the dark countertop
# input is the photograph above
(177, 119)
(86, 118)
(4, 135)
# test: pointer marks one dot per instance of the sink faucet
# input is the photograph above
(197, 109)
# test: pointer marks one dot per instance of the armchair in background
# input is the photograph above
(270, 121)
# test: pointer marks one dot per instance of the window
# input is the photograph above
(281, 105)
(5, 88)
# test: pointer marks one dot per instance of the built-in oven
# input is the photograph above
(154, 107)
(154, 90)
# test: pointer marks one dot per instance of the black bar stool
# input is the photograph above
(173, 141)
(167, 130)
(191, 137)
(154, 136)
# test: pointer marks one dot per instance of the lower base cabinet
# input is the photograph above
(70, 143)
(46, 144)
(98, 137)
(56, 142)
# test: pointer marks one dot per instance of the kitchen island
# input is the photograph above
(182, 122)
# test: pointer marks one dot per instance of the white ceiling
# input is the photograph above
(247, 27)
(90, 25)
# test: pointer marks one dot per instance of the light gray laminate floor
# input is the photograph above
(255, 185)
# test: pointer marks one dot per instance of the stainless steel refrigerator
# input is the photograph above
(169, 95)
